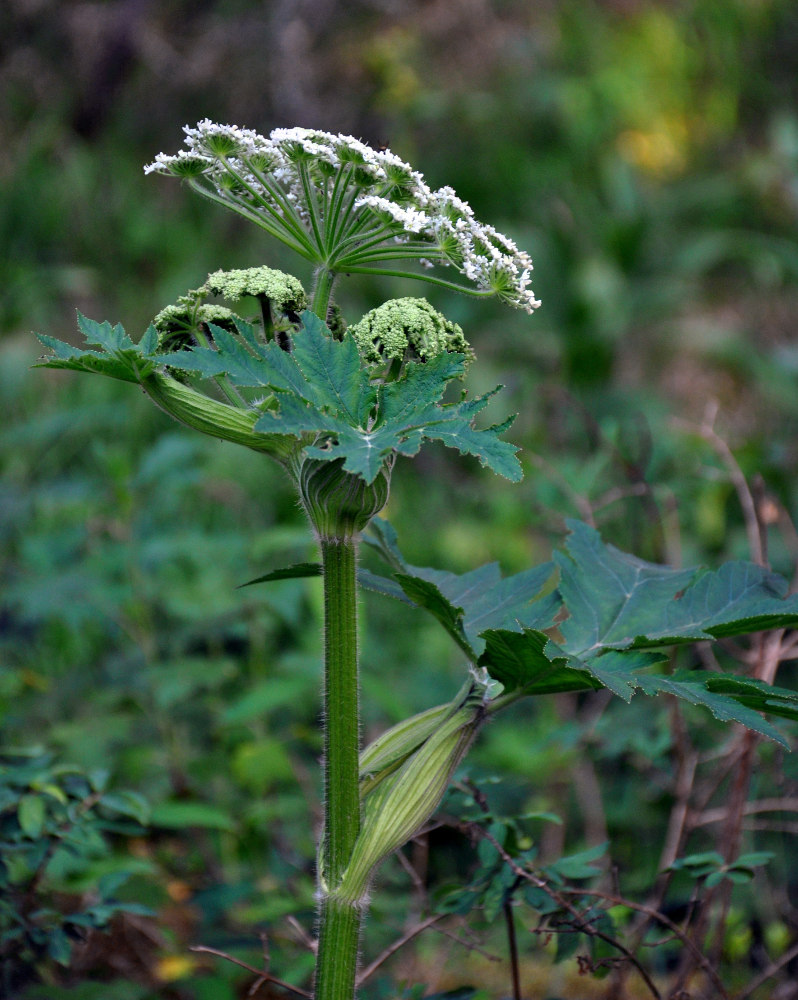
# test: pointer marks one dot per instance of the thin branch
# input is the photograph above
(263, 977)
(586, 927)
(660, 918)
(758, 806)
(768, 973)
(513, 942)
(415, 878)
(399, 943)
(753, 527)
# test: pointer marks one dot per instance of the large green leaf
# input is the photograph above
(465, 604)
(363, 426)
(119, 358)
(623, 614)
(617, 619)
(618, 601)
(333, 368)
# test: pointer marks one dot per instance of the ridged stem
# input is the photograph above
(336, 965)
(341, 706)
(322, 292)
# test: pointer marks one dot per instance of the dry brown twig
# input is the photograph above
(263, 976)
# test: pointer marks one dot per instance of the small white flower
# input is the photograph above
(347, 206)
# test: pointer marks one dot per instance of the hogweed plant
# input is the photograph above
(334, 406)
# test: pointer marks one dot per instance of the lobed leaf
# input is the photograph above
(616, 618)
(618, 601)
(120, 357)
(465, 604)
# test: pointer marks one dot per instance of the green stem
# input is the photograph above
(311, 204)
(267, 317)
(341, 737)
(336, 965)
(279, 233)
(210, 416)
(474, 293)
(322, 292)
(223, 381)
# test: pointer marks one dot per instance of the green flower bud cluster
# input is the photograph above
(185, 322)
(407, 329)
(420, 757)
(179, 323)
(284, 291)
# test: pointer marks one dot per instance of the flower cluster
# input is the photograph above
(348, 207)
(177, 323)
(407, 329)
(281, 295)
(284, 291)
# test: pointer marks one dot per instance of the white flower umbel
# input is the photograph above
(349, 208)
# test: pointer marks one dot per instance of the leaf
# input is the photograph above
(381, 585)
(367, 580)
(59, 947)
(120, 357)
(333, 367)
(179, 815)
(623, 613)
(364, 427)
(608, 592)
(616, 600)
(578, 866)
(719, 693)
(609, 608)
(296, 572)
(465, 604)
(127, 803)
(110, 338)
(324, 396)
(31, 815)
(525, 661)
(241, 358)
(533, 661)
(737, 599)
(425, 594)
(512, 603)
(486, 445)
(382, 538)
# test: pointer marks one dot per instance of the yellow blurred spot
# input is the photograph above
(659, 152)
(389, 57)
(172, 967)
(139, 847)
(34, 680)
(178, 891)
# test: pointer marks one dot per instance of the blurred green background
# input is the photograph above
(646, 154)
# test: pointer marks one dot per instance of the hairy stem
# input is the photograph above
(336, 964)
(322, 292)
(336, 967)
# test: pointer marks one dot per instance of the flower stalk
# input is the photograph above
(322, 292)
(339, 926)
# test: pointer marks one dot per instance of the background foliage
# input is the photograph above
(647, 155)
